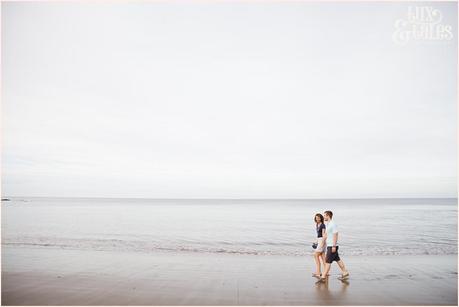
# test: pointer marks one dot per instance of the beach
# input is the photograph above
(74, 251)
(49, 276)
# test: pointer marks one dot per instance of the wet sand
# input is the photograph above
(47, 276)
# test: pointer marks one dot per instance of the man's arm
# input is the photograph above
(335, 239)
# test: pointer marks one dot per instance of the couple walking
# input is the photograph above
(326, 247)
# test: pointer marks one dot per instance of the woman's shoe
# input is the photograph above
(321, 280)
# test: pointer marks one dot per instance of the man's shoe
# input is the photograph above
(344, 276)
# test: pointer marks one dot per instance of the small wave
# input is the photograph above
(256, 249)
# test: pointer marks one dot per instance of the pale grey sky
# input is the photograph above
(225, 99)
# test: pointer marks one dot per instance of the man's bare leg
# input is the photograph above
(343, 268)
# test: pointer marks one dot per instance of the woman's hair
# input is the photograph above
(321, 217)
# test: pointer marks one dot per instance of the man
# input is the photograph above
(331, 237)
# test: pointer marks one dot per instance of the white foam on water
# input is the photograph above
(255, 227)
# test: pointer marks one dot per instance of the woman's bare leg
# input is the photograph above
(322, 255)
(317, 259)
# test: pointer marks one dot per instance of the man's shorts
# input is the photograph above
(330, 257)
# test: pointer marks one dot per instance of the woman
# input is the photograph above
(319, 251)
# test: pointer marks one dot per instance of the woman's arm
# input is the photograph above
(324, 236)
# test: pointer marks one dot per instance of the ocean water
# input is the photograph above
(259, 227)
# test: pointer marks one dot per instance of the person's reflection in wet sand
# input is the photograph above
(331, 298)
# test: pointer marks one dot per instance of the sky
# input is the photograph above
(193, 99)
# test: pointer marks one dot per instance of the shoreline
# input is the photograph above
(46, 276)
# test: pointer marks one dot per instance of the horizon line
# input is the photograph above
(230, 198)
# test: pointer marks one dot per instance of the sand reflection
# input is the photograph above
(332, 291)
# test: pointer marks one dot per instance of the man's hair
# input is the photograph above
(329, 213)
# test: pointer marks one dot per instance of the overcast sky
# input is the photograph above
(254, 99)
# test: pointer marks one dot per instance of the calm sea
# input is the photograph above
(268, 227)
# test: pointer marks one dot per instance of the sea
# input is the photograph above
(230, 226)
